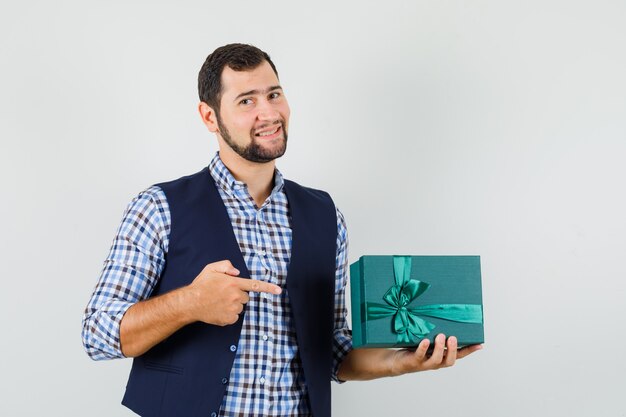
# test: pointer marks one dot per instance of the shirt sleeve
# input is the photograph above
(342, 340)
(130, 272)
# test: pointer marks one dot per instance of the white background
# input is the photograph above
(494, 128)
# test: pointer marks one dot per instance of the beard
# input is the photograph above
(254, 151)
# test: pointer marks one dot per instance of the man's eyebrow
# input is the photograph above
(255, 92)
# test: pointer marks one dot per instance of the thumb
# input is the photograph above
(224, 267)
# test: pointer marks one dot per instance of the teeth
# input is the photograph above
(267, 133)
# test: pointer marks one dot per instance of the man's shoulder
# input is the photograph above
(315, 195)
(294, 187)
(185, 180)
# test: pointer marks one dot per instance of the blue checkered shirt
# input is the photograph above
(267, 378)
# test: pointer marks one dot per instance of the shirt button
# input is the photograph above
(262, 380)
(233, 348)
(265, 337)
(262, 252)
(224, 381)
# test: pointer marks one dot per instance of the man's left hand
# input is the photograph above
(443, 355)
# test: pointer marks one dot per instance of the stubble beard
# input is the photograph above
(254, 152)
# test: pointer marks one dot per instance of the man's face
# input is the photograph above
(254, 114)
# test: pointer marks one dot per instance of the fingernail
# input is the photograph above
(278, 290)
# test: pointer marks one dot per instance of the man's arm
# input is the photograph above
(366, 364)
(342, 336)
(122, 320)
(130, 272)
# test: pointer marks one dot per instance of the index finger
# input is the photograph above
(257, 286)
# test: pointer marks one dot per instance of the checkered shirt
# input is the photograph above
(267, 378)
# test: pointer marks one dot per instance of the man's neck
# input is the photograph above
(259, 177)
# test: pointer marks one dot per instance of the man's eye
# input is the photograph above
(246, 101)
(274, 95)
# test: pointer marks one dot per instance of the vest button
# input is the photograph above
(224, 381)
(213, 414)
(233, 348)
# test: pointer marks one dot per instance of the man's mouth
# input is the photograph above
(270, 133)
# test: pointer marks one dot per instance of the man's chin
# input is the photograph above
(265, 152)
(265, 157)
(262, 155)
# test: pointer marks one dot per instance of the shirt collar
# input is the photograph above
(225, 180)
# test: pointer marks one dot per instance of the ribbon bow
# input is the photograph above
(406, 322)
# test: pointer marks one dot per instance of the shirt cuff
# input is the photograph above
(101, 330)
(342, 345)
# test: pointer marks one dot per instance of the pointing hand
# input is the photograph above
(218, 296)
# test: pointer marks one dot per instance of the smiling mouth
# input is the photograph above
(270, 134)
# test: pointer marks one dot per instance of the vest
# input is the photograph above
(186, 374)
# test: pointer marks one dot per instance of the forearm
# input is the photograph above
(366, 364)
(151, 321)
(216, 296)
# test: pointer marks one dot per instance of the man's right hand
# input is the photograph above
(218, 295)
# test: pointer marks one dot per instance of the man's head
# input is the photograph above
(243, 103)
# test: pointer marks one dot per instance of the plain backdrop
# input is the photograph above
(491, 128)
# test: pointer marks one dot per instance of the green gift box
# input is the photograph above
(399, 300)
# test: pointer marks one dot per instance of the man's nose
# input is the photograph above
(267, 112)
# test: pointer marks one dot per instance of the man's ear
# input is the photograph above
(208, 116)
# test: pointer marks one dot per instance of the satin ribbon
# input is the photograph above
(406, 322)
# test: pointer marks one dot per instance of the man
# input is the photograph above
(228, 286)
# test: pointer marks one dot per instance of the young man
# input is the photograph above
(228, 286)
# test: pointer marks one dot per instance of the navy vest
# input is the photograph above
(186, 374)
